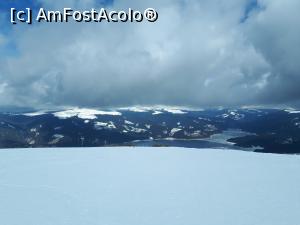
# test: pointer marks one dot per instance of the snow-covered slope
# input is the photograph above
(140, 186)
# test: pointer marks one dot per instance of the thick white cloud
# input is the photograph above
(198, 53)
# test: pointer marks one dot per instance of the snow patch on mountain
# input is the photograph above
(175, 111)
(134, 129)
(87, 114)
(174, 130)
(135, 109)
(128, 122)
(292, 111)
(109, 125)
(38, 113)
(157, 112)
(232, 114)
(56, 139)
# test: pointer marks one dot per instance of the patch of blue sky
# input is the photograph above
(5, 6)
(5, 9)
(9, 48)
(104, 2)
(250, 7)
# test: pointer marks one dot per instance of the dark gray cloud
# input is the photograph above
(275, 33)
(198, 53)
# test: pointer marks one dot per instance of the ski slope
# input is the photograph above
(148, 186)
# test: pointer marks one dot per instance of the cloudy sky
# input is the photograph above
(200, 53)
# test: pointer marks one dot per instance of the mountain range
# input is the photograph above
(261, 130)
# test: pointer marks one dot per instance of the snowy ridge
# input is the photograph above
(38, 113)
(156, 110)
(292, 111)
(84, 113)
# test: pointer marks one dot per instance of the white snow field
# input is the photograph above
(148, 186)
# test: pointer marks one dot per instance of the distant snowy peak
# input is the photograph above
(38, 113)
(87, 114)
(91, 114)
(175, 111)
(292, 111)
(156, 110)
